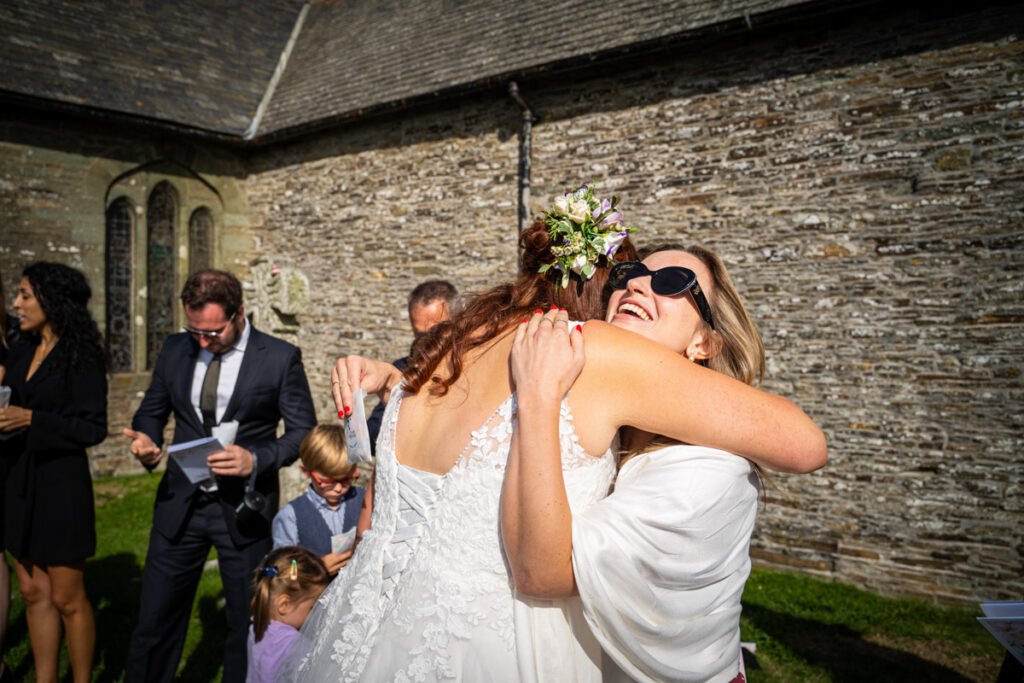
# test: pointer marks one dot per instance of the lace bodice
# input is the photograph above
(428, 595)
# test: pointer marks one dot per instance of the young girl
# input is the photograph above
(286, 584)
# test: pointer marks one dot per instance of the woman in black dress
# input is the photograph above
(5, 577)
(58, 409)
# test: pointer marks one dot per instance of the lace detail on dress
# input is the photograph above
(427, 595)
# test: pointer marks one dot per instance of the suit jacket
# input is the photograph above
(271, 386)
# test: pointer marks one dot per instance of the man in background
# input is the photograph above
(430, 304)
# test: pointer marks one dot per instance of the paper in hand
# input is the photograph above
(191, 457)
(357, 434)
(343, 542)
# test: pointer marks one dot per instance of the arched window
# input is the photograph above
(161, 215)
(200, 239)
(119, 285)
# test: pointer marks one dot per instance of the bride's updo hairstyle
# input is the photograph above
(496, 310)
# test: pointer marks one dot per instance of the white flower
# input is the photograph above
(579, 210)
(612, 242)
(579, 262)
(562, 203)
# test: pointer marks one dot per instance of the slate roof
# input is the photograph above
(356, 54)
(207, 65)
(199, 64)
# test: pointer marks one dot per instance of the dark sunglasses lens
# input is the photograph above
(672, 281)
(626, 271)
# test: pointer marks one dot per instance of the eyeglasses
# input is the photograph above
(328, 481)
(670, 281)
(209, 334)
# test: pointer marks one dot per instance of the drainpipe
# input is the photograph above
(525, 139)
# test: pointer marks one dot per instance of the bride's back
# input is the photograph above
(432, 431)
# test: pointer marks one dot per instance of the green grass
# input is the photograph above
(805, 629)
(124, 511)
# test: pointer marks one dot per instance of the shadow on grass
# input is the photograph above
(844, 653)
(205, 661)
(17, 632)
(113, 584)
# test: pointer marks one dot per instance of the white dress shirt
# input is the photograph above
(230, 364)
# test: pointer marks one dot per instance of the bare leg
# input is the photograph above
(67, 584)
(43, 619)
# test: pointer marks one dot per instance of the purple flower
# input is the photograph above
(613, 218)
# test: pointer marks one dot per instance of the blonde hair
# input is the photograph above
(288, 569)
(739, 349)
(323, 450)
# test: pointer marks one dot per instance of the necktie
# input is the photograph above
(208, 394)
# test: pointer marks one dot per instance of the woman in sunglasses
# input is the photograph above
(426, 595)
(659, 564)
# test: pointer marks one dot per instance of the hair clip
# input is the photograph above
(293, 571)
(269, 571)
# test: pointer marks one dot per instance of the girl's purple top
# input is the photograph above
(266, 656)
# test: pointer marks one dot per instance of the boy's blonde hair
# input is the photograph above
(323, 450)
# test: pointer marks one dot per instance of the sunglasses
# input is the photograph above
(210, 334)
(670, 281)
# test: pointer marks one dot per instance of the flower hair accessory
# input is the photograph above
(583, 227)
(269, 571)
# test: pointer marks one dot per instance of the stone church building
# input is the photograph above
(859, 164)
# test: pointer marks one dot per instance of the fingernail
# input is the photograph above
(561, 309)
(522, 321)
(538, 311)
(341, 413)
(579, 328)
(348, 410)
(553, 308)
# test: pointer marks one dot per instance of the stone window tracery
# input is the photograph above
(200, 240)
(161, 215)
(119, 285)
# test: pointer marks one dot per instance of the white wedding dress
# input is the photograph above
(427, 595)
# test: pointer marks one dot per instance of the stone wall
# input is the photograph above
(863, 177)
(370, 210)
(865, 182)
(57, 179)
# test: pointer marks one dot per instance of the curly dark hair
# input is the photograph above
(63, 293)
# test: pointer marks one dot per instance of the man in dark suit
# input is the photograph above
(220, 370)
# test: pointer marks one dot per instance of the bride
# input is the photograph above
(428, 594)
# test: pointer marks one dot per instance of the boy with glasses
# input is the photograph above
(328, 511)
